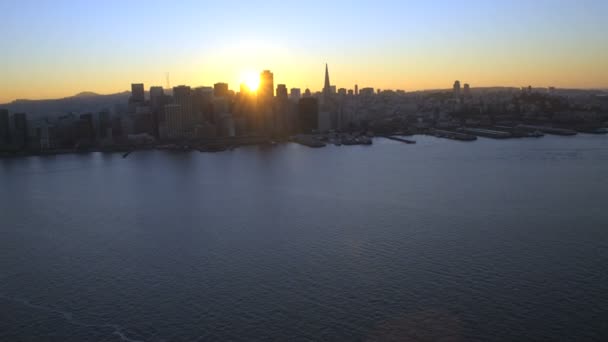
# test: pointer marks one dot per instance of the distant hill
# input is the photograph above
(86, 94)
(80, 103)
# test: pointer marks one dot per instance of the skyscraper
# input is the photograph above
(467, 90)
(308, 114)
(457, 89)
(104, 125)
(85, 130)
(156, 93)
(5, 128)
(175, 121)
(282, 92)
(266, 88)
(137, 93)
(21, 130)
(356, 89)
(220, 89)
(327, 86)
(295, 93)
(182, 96)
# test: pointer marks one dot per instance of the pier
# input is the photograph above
(392, 137)
(487, 133)
(549, 130)
(439, 133)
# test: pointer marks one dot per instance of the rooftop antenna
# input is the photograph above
(167, 79)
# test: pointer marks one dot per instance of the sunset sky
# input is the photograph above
(58, 48)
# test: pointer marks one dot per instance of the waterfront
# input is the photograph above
(499, 240)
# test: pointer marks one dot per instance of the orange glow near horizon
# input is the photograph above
(408, 45)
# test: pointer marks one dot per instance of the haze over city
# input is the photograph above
(54, 49)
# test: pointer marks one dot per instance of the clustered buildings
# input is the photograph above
(184, 114)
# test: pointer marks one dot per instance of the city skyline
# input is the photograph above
(55, 50)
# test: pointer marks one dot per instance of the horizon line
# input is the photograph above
(598, 88)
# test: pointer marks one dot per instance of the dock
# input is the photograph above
(308, 140)
(440, 133)
(392, 137)
(548, 130)
(487, 133)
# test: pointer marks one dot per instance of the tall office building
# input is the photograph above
(295, 93)
(21, 130)
(158, 100)
(282, 92)
(356, 89)
(467, 90)
(182, 96)
(203, 103)
(220, 89)
(308, 114)
(137, 93)
(366, 92)
(85, 130)
(457, 89)
(5, 128)
(156, 95)
(175, 121)
(104, 125)
(327, 90)
(266, 88)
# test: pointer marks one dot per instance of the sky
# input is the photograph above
(57, 48)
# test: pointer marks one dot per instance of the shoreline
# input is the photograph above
(309, 140)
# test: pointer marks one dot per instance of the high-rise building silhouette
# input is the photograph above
(327, 92)
(182, 96)
(366, 91)
(175, 122)
(202, 101)
(104, 125)
(21, 130)
(137, 93)
(220, 90)
(295, 93)
(5, 128)
(266, 88)
(356, 89)
(467, 90)
(85, 130)
(308, 114)
(282, 92)
(456, 90)
(156, 93)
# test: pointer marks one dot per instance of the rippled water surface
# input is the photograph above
(443, 240)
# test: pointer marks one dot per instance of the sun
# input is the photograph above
(251, 80)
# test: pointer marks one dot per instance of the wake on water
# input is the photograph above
(69, 317)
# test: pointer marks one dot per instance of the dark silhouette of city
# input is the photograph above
(218, 118)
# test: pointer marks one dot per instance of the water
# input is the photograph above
(443, 240)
